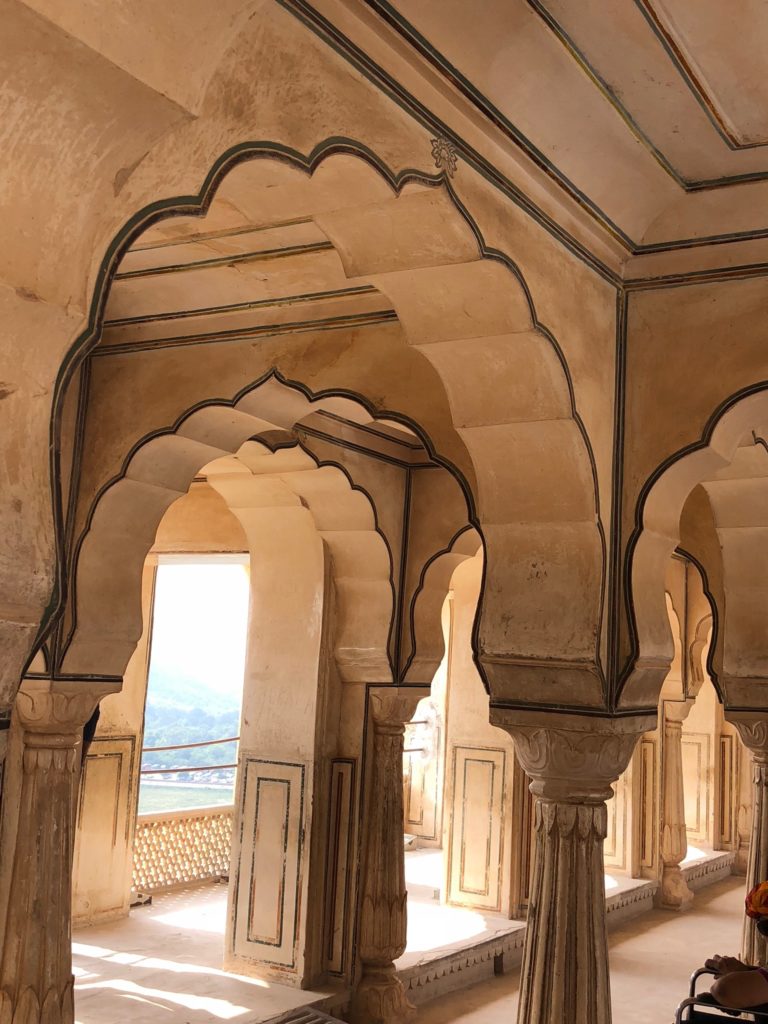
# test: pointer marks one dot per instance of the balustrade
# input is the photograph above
(178, 848)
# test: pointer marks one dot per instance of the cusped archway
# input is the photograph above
(376, 291)
(717, 494)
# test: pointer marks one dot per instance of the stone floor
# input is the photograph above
(651, 959)
(163, 964)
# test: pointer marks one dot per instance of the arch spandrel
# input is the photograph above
(484, 386)
(141, 152)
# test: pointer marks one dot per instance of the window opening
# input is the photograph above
(195, 682)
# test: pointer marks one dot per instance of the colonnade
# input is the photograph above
(571, 761)
(335, 788)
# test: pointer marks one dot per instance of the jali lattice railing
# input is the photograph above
(178, 848)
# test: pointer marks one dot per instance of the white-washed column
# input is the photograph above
(753, 729)
(674, 893)
(379, 997)
(36, 962)
(572, 762)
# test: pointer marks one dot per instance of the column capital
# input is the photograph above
(572, 758)
(54, 707)
(676, 711)
(393, 706)
(752, 727)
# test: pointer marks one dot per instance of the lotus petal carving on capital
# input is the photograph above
(561, 753)
(753, 732)
(393, 710)
(47, 709)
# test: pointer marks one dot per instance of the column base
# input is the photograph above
(674, 893)
(380, 998)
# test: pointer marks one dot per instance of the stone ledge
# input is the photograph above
(630, 902)
(711, 869)
(461, 968)
(446, 972)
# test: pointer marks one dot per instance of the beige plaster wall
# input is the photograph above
(109, 790)
(199, 522)
(141, 139)
(701, 767)
(710, 340)
(480, 819)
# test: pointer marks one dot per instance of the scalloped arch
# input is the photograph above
(657, 535)
(515, 437)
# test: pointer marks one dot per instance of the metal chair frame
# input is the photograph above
(687, 1012)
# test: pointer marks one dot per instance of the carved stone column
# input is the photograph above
(36, 964)
(379, 997)
(674, 893)
(753, 729)
(744, 787)
(572, 761)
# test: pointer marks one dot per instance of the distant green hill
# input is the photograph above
(164, 690)
(185, 711)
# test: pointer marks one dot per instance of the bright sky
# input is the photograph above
(200, 625)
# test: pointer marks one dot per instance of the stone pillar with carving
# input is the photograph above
(753, 730)
(36, 961)
(572, 761)
(674, 893)
(379, 997)
(744, 796)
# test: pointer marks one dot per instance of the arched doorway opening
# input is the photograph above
(154, 402)
(710, 501)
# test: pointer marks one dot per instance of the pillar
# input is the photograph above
(379, 997)
(674, 893)
(744, 786)
(102, 872)
(572, 760)
(36, 964)
(753, 730)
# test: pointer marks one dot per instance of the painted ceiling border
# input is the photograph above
(353, 54)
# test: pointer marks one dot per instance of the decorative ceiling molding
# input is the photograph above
(704, 97)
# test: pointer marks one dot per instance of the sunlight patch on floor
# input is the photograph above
(163, 965)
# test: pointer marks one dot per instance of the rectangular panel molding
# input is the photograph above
(697, 781)
(648, 813)
(339, 864)
(420, 786)
(268, 874)
(102, 854)
(725, 797)
(477, 827)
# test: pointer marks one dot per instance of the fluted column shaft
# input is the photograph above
(753, 729)
(674, 892)
(36, 964)
(744, 813)
(572, 762)
(379, 997)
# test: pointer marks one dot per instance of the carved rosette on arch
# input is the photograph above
(380, 997)
(36, 965)
(572, 762)
(753, 730)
